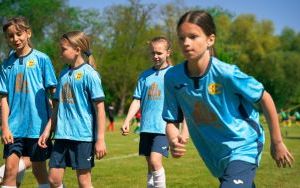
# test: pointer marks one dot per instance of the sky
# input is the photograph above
(283, 13)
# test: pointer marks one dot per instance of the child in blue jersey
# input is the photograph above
(149, 96)
(27, 78)
(24, 162)
(79, 115)
(217, 100)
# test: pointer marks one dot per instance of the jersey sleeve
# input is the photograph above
(246, 86)
(48, 72)
(139, 88)
(94, 86)
(3, 81)
(171, 111)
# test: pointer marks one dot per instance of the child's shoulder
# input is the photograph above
(175, 71)
(222, 67)
(39, 54)
(8, 61)
(217, 63)
(147, 73)
(89, 70)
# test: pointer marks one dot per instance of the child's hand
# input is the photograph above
(7, 137)
(183, 139)
(42, 142)
(125, 129)
(281, 155)
(100, 149)
(177, 146)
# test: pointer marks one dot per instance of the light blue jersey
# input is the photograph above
(76, 91)
(150, 91)
(25, 80)
(218, 108)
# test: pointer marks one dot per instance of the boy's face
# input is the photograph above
(18, 39)
(159, 53)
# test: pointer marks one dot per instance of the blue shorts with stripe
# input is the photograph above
(153, 142)
(69, 153)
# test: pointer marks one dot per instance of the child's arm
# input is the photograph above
(177, 143)
(50, 127)
(279, 151)
(184, 132)
(133, 109)
(100, 147)
(51, 92)
(7, 136)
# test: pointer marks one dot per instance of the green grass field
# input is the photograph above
(122, 167)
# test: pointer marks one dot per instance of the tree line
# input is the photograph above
(120, 33)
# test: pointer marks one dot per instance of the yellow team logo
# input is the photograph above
(30, 63)
(214, 88)
(78, 75)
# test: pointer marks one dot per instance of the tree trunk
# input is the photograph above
(122, 105)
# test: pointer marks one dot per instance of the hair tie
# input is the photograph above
(88, 53)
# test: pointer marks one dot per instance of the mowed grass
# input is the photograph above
(122, 167)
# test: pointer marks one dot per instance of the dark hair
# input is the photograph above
(81, 40)
(162, 39)
(201, 18)
(21, 24)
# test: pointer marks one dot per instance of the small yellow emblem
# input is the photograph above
(78, 75)
(30, 63)
(214, 88)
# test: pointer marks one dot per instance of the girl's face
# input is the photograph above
(159, 53)
(68, 53)
(193, 41)
(18, 39)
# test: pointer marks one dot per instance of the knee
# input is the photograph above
(84, 183)
(155, 164)
(11, 170)
(54, 181)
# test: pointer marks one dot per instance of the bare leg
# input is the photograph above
(84, 178)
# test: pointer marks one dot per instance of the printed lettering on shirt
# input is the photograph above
(21, 84)
(203, 115)
(154, 92)
(67, 95)
(214, 88)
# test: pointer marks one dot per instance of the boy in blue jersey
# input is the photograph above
(26, 78)
(79, 116)
(149, 96)
(217, 101)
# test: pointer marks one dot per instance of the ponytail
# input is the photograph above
(90, 58)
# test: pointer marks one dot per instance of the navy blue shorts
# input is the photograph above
(69, 153)
(28, 147)
(153, 142)
(238, 174)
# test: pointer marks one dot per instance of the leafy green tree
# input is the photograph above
(36, 11)
(126, 54)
